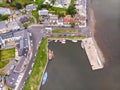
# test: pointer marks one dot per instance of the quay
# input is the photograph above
(92, 54)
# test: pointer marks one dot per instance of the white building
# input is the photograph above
(4, 11)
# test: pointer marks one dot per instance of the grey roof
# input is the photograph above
(0, 40)
(4, 11)
(24, 19)
(20, 65)
(31, 7)
(2, 24)
(21, 44)
(11, 80)
(7, 35)
(43, 12)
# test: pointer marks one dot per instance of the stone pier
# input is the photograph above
(92, 54)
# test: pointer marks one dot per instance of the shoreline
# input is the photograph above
(93, 30)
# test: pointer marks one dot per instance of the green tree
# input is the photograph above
(53, 1)
(18, 6)
(72, 24)
(4, 17)
(71, 10)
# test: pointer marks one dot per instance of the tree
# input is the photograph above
(18, 6)
(53, 1)
(71, 10)
(72, 24)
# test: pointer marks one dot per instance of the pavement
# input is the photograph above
(92, 54)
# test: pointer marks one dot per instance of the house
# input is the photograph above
(43, 12)
(3, 27)
(31, 7)
(20, 66)
(24, 19)
(47, 2)
(4, 11)
(67, 20)
(80, 20)
(60, 21)
(22, 39)
(13, 25)
(12, 79)
(62, 3)
(44, 16)
(53, 19)
(81, 10)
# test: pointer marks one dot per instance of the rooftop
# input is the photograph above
(43, 12)
(20, 65)
(2, 25)
(11, 80)
(4, 11)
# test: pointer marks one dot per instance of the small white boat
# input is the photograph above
(63, 41)
(74, 40)
(44, 78)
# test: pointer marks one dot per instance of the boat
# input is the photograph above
(44, 78)
(63, 41)
(74, 40)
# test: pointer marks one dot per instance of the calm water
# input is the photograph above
(70, 70)
(107, 14)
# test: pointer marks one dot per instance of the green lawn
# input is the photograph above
(5, 55)
(63, 31)
(35, 77)
(35, 14)
(69, 37)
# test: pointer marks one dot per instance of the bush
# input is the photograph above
(3, 17)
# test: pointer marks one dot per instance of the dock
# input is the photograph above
(92, 54)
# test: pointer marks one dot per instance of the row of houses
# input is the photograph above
(50, 19)
(23, 50)
(81, 6)
(6, 26)
(59, 3)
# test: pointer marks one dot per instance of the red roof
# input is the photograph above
(68, 18)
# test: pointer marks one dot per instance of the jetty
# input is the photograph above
(92, 54)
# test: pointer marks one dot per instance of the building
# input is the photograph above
(24, 19)
(3, 27)
(47, 2)
(43, 12)
(44, 16)
(53, 19)
(13, 25)
(12, 79)
(31, 7)
(80, 20)
(67, 20)
(4, 11)
(20, 65)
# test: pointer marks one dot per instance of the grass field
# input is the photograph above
(35, 14)
(5, 55)
(35, 77)
(63, 31)
(68, 37)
